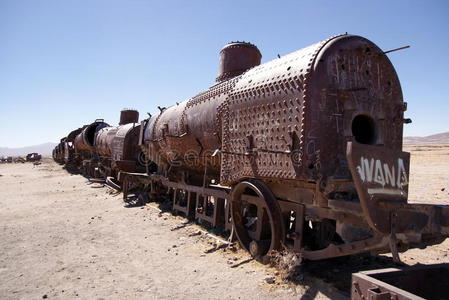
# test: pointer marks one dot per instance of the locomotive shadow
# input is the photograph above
(335, 273)
(137, 199)
(331, 277)
(73, 170)
(133, 201)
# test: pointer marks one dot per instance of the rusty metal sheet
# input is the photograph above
(189, 133)
(236, 58)
(72, 135)
(103, 141)
(85, 140)
(125, 144)
(381, 179)
(128, 116)
(263, 122)
(291, 118)
(380, 175)
(418, 282)
(381, 172)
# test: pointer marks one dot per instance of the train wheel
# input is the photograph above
(256, 217)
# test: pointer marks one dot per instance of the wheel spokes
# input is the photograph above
(256, 233)
(253, 208)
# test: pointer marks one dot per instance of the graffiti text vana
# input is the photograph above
(374, 171)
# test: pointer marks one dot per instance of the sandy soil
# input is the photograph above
(429, 173)
(429, 183)
(61, 238)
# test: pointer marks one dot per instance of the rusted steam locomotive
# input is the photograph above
(99, 151)
(302, 153)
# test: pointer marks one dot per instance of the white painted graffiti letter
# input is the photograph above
(391, 179)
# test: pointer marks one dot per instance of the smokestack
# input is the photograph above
(128, 116)
(236, 58)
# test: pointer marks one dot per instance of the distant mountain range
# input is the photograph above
(440, 138)
(46, 148)
(43, 149)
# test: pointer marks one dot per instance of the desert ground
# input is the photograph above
(63, 238)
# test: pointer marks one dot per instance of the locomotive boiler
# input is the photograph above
(289, 118)
(84, 145)
(100, 151)
(118, 146)
(70, 159)
(58, 152)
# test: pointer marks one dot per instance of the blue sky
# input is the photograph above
(66, 63)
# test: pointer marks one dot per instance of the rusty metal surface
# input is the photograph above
(103, 140)
(125, 143)
(128, 116)
(236, 58)
(380, 175)
(72, 135)
(290, 118)
(69, 146)
(120, 145)
(188, 133)
(418, 282)
(381, 179)
(58, 152)
(85, 140)
(263, 213)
